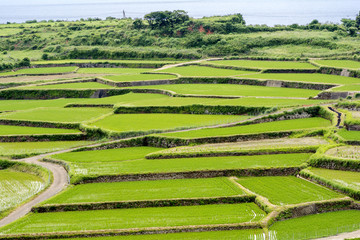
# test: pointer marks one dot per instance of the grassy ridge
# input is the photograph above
(136, 218)
(287, 190)
(147, 190)
(285, 125)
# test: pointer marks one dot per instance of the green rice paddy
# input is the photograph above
(114, 70)
(201, 71)
(66, 115)
(84, 85)
(136, 218)
(148, 190)
(286, 125)
(140, 77)
(234, 90)
(287, 190)
(47, 70)
(160, 122)
(347, 88)
(18, 130)
(263, 64)
(16, 187)
(349, 135)
(349, 64)
(316, 226)
(305, 77)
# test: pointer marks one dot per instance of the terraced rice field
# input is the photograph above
(139, 77)
(114, 70)
(15, 105)
(305, 77)
(345, 179)
(47, 70)
(347, 152)
(286, 125)
(137, 218)
(148, 190)
(144, 166)
(349, 135)
(66, 115)
(263, 64)
(234, 90)
(18, 130)
(200, 71)
(26, 148)
(67, 61)
(347, 88)
(316, 226)
(160, 122)
(348, 64)
(229, 235)
(17, 187)
(287, 190)
(85, 85)
(282, 143)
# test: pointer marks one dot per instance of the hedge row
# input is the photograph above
(290, 70)
(195, 109)
(27, 123)
(283, 171)
(324, 161)
(352, 106)
(45, 94)
(73, 105)
(143, 204)
(127, 232)
(328, 183)
(104, 64)
(265, 151)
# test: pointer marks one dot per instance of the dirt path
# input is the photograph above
(343, 236)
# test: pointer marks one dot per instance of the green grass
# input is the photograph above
(48, 70)
(347, 88)
(148, 190)
(200, 71)
(136, 218)
(114, 70)
(85, 85)
(287, 190)
(102, 61)
(349, 135)
(139, 77)
(16, 187)
(339, 63)
(20, 148)
(343, 178)
(277, 126)
(234, 90)
(108, 155)
(304, 77)
(67, 115)
(247, 234)
(143, 166)
(316, 226)
(150, 122)
(19, 130)
(263, 64)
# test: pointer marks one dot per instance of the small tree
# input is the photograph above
(45, 56)
(357, 21)
(138, 24)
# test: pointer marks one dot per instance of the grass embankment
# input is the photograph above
(136, 218)
(201, 71)
(286, 125)
(153, 122)
(234, 90)
(65, 115)
(316, 226)
(287, 190)
(148, 190)
(18, 130)
(263, 64)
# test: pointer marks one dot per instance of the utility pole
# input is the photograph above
(124, 15)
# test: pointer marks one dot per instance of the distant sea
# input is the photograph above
(270, 12)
